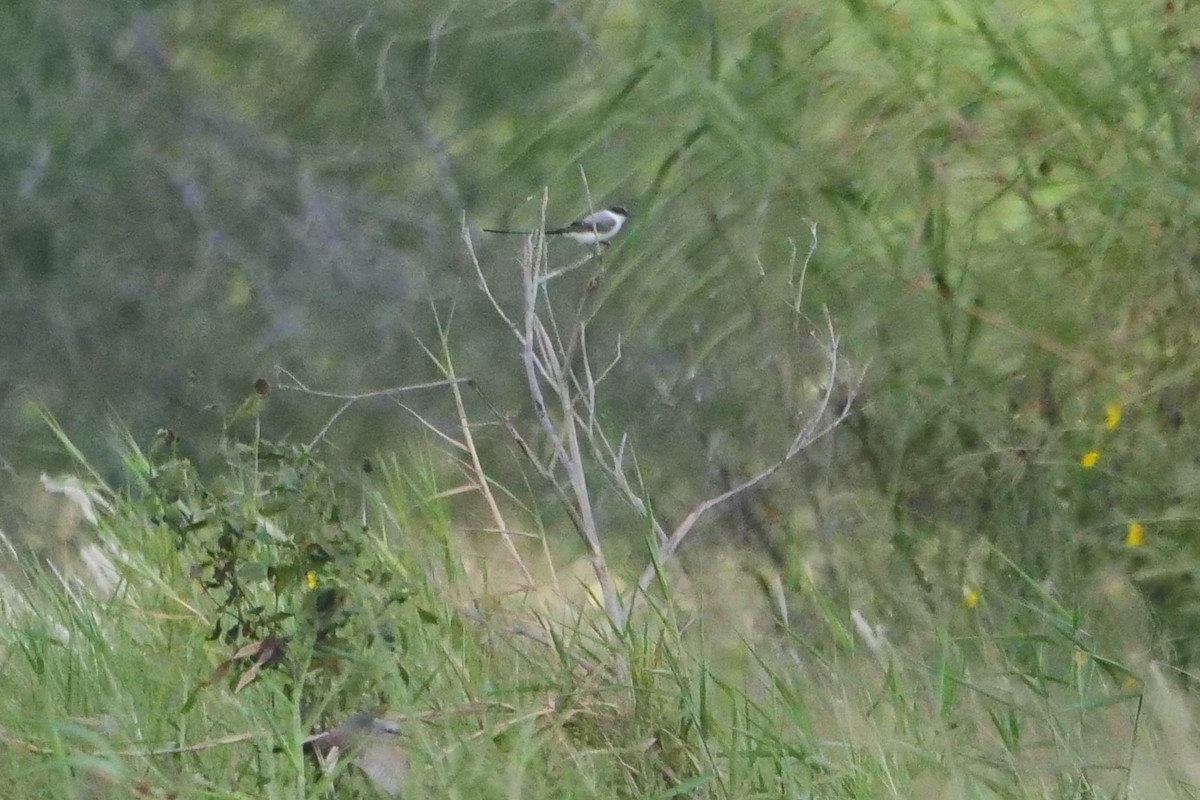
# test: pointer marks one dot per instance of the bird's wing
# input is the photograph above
(601, 222)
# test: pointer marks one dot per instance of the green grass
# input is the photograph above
(114, 695)
(942, 599)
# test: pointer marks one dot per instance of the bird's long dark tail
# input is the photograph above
(499, 230)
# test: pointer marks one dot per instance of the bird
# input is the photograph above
(373, 744)
(595, 228)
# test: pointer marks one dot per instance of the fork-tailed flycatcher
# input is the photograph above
(595, 228)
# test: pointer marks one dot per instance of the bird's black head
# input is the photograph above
(620, 210)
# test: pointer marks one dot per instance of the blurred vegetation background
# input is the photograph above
(1004, 195)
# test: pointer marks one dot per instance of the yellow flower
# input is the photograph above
(1112, 416)
(311, 578)
(1136, 536)
(1089, 459)
(971, 596)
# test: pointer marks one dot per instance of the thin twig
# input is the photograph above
(297, 385)
(812, 249)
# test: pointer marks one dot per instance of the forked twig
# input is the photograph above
(297, 385)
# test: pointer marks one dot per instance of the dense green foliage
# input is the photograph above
(1002, 195)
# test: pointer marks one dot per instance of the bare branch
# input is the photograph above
(563, 388)
(810, 433)
(297, 385)
(812, 249)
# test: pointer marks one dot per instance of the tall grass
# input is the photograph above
(978, 586)
(120, 693)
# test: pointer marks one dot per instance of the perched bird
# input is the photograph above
(373, 745)
(595, 228)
